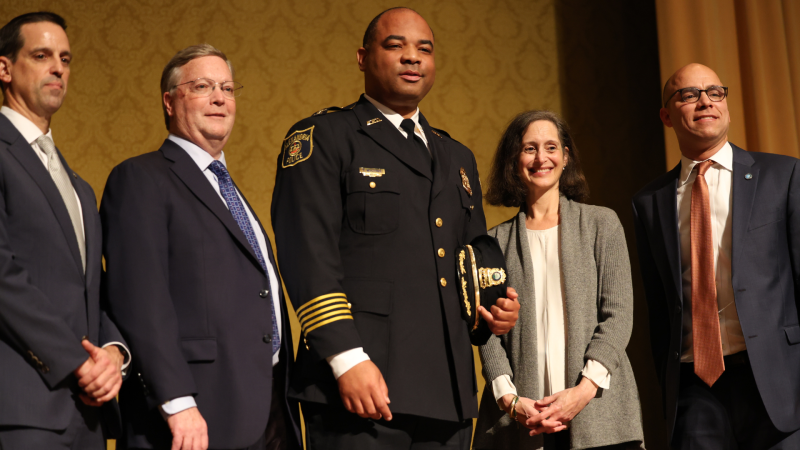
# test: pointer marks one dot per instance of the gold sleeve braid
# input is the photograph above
(323, 310)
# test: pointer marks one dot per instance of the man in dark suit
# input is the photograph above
(193, 282)
(50, 270)
(369, 204)
(719, 248)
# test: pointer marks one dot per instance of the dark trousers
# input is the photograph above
(727, 416)
(336, 429)
(277, 435)
(560, 441)
(84, 432)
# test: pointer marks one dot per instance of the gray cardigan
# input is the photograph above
(599, 313)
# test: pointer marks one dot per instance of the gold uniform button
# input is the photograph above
(443, 282)
(439, 222)
(372, 184)
(441, 253)
(471, 207)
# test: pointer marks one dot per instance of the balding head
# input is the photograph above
(689, 71)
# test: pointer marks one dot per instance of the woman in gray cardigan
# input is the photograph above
(562, 373)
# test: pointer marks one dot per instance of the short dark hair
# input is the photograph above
(505, 186)
(11, 39)
(369, 35)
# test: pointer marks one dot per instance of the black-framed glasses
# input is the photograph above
(203, 87)
(692, 94)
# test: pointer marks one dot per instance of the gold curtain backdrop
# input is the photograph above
(754, 46)
(494, 58)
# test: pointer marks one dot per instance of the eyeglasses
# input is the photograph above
(203, 87)
(692, 94)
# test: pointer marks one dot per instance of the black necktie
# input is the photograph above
(422, 150)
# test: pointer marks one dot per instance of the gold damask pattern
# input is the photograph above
(495, 58)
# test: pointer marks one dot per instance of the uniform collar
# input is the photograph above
(393, 117)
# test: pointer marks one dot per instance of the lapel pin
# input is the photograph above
(373, 121)
(748, 176)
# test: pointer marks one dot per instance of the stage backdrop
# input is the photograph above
(754, 46)
(494, 58)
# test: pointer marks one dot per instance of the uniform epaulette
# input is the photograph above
(333, 109)
(440, 133)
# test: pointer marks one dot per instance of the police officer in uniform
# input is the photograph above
(369, 203)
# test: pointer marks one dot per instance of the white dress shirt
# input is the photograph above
(551, 322)
(203, 161)
(719, 178)
(344, 361)
(30, 132)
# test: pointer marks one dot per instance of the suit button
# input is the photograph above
(443, 282)
(264, 293)
(441, 253)
(267, 338)
(439, 222)
(677, 355)
(678, 308)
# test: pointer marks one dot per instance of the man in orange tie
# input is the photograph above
(719, 248)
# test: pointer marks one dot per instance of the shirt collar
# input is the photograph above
(722, 159)
(198, 155)
(26, 128)
(392, 116)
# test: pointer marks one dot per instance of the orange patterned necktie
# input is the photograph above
(707, 344)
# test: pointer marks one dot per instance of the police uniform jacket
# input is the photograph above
(365, 230)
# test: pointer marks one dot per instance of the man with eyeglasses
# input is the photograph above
(719, 247)
(193, 281)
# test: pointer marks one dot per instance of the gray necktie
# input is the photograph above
(61, 179)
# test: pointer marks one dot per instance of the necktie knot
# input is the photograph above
(46, 144)
(408, 126)
(218, 169)
(703, 167)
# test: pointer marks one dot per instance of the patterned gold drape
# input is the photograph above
(754, 46)
(495, 58)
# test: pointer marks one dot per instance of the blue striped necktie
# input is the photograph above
(240, 215)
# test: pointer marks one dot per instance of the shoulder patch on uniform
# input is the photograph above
(297, 147)
(333, 109)
(440, 133)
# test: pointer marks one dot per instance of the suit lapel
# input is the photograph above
(441, 158)
(666, 208)
(186, 169)
(744, 193)
(24, 153)
(389, 137)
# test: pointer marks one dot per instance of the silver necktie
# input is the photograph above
(61, 179)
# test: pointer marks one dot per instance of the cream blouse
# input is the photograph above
(551, 321)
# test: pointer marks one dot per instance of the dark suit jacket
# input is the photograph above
(186, 289)
(47, 303)
(765, 274)
(339, 235)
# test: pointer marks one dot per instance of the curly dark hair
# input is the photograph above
(505, 186)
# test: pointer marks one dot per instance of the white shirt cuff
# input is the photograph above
(128, 357)
(501, 386)
(344, 361)
(596, 372)
(177, 405)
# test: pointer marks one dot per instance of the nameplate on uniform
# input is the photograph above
(297, 147)
(372, 173)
